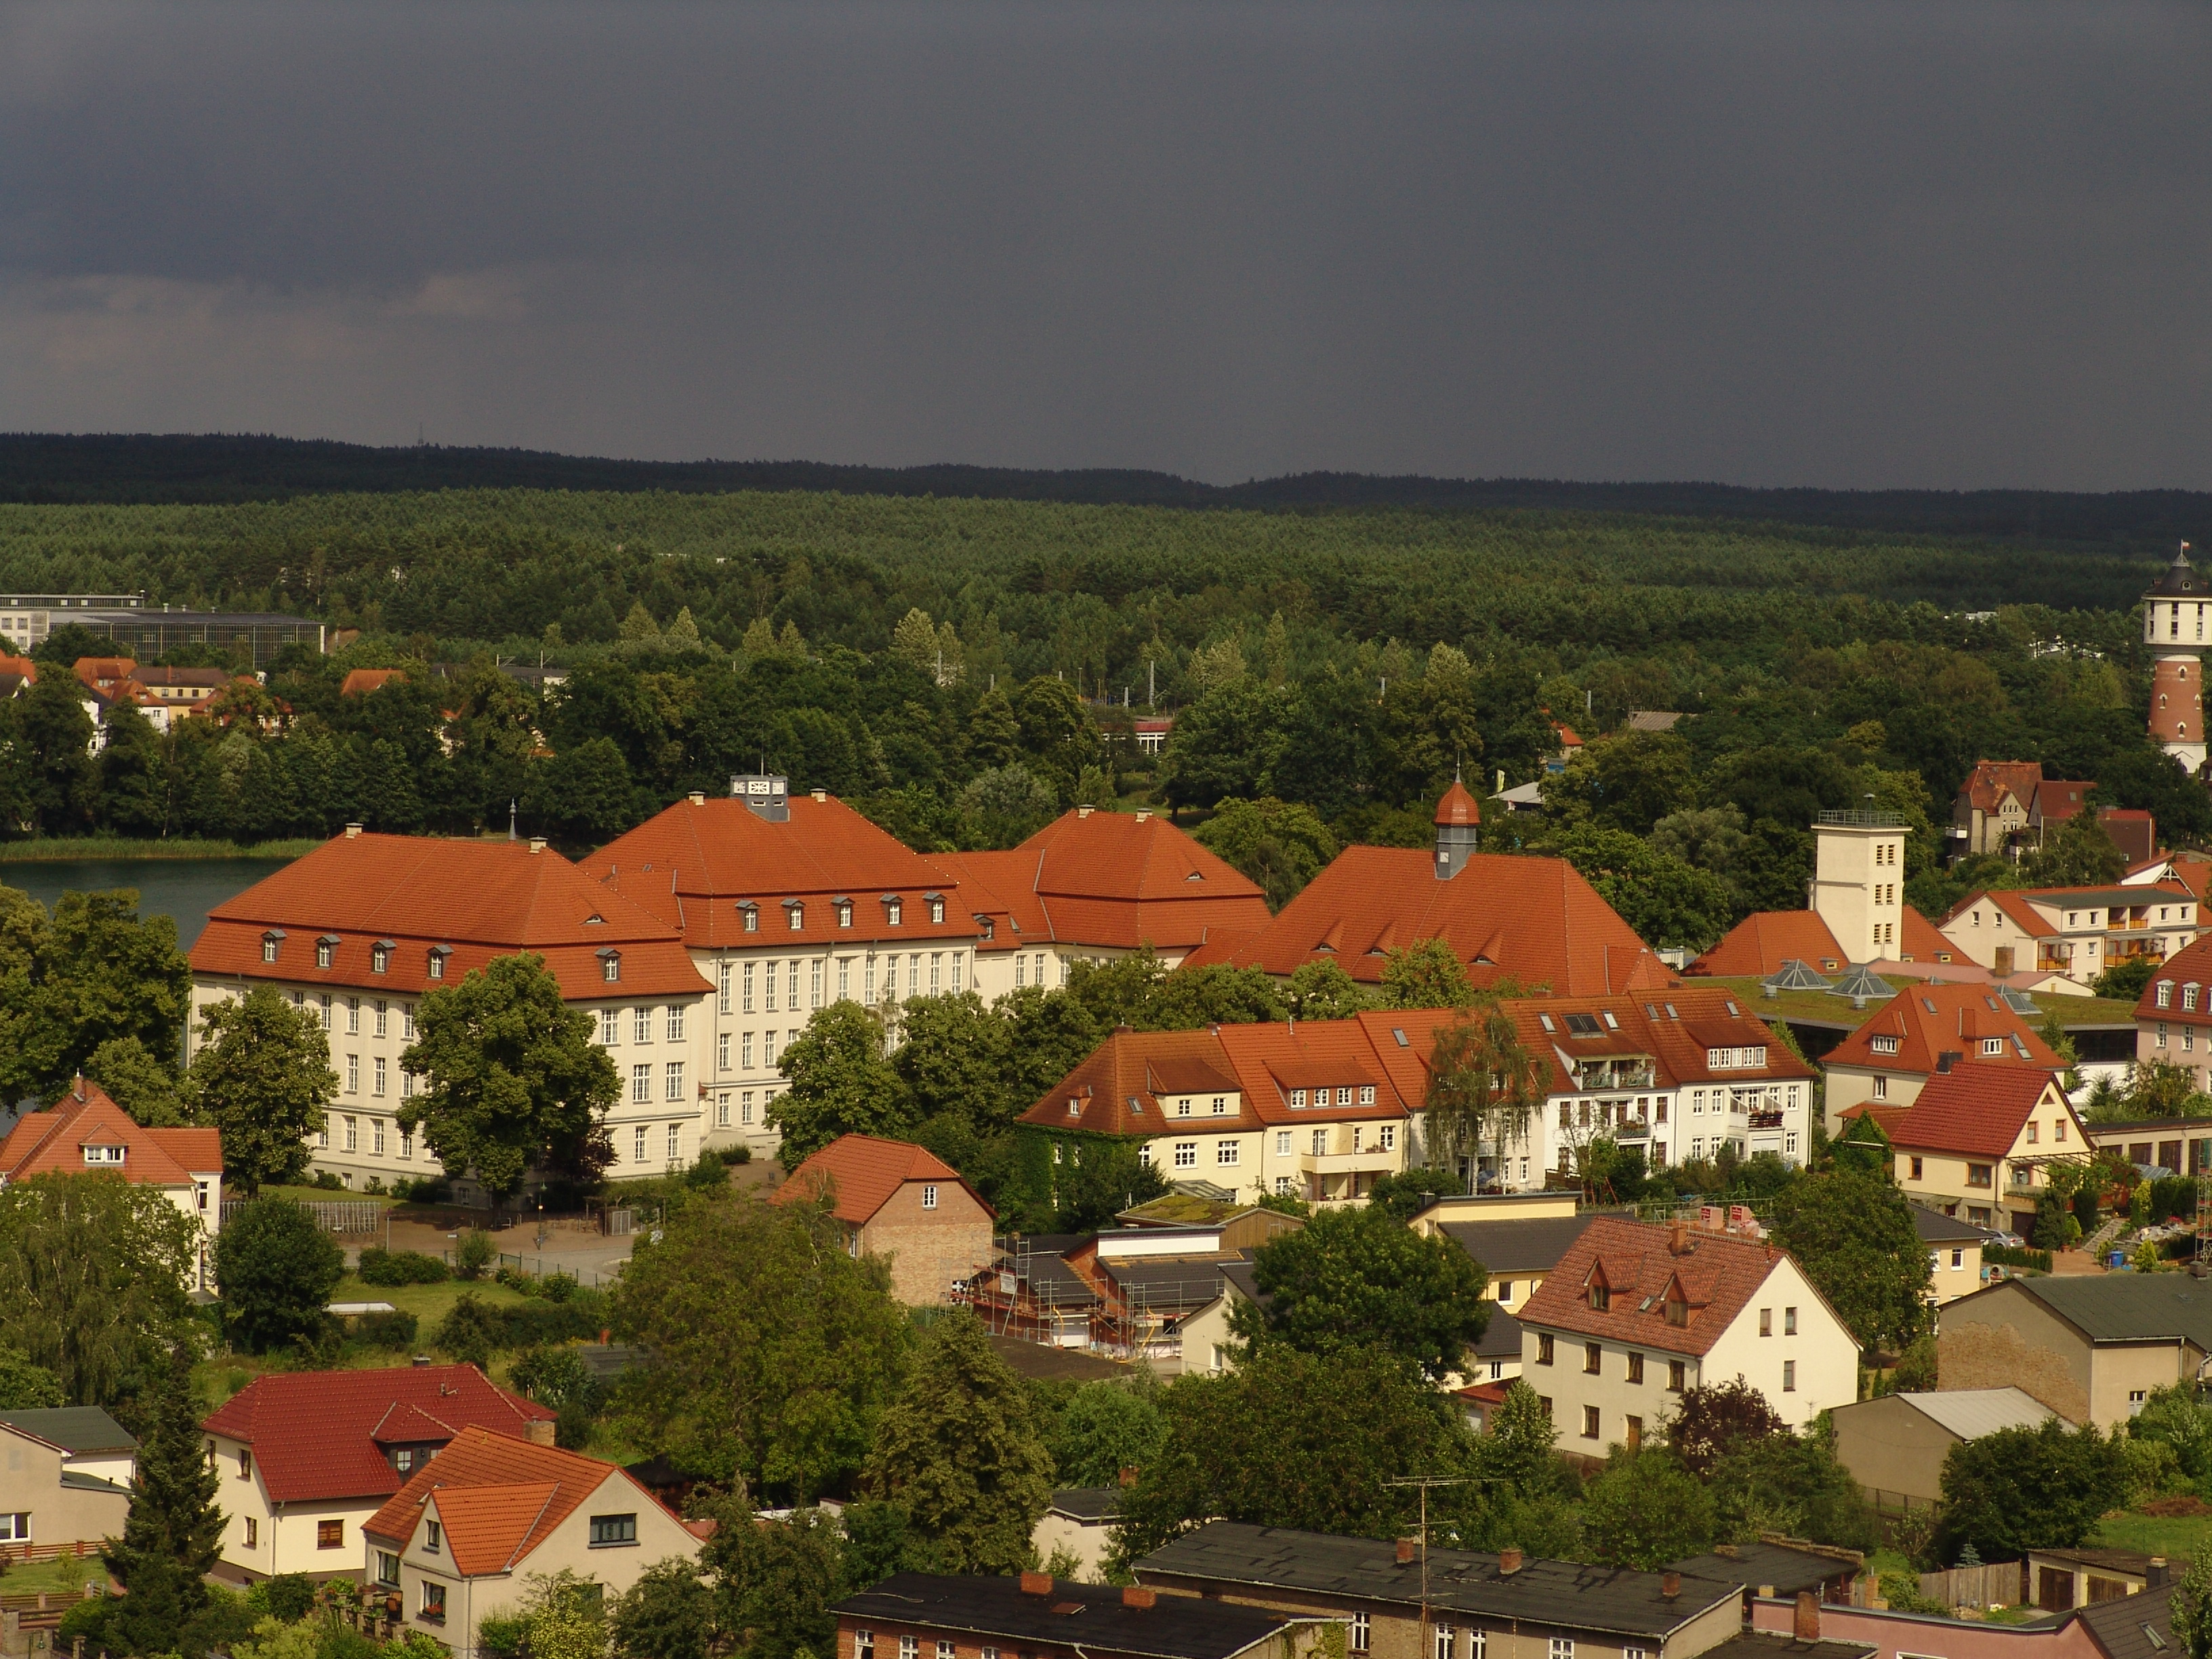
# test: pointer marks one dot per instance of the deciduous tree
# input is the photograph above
(1278, 845)
(276, 1269)
(1483, 1086)
(1853, 1234)
(1107, 1426)
(841, 1084)
(2015, 1490)
(263, 1077)
(1643, 1510)
(1426, 974)
(1361, 1278)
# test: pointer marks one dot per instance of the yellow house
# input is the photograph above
(1978, 1142)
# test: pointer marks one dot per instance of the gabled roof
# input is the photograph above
(1678, 1028)
(1991, 780)
(358, 682)
(311, 1431)
(2056, 799)
(1113, 879)
(1715, 1274)
(2192, 963)
(1929, 1021)
(76, 1430)
(2122, 1307)
(1757, 945)
(1508, 1249)
(483, 899)
(698, 863)
(1933, 1226)
(2138, 1626)
(862, 1173)
(53, 1141)
(1971, 1413)
(497, 1498)
(997, 1613)
(1977, 1108)
(1536, 920)
(2023, 906)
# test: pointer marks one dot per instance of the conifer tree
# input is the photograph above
(173, 1533)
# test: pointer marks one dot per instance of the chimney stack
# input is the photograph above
(537, 843)
(1084, 810)
(1137, 1595)
(541, 1433)
(1508, 1560)
(1036, 1583)
(1128, 1475)
(1670, 1584)
(1807, 1626)
(352, 831)
(2156, 1577)
(821, 795)
(1678, 1239)
(1405, 1551)
(2001, 966)
(698, 797)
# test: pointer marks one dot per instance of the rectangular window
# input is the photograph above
(1387, 1137)
(1544, 1343)
(637, 1144)
(745, 1000)
(16, 1527)
(959, 963)
(1362, 1633)
(610, 1027)
(1675, 1369)
(326, 1005)
(1789, 1321)
(722, 1110)
(434, 1601)
(1789, 1376)
(1226, 1152)
(252, 1531)
(1563, 1647)
(1186, 1155)
(1282, 1142)
(745, 1108)
(1589, 1423)
(406, 1136)
(329, 1534)
(768, 985)
(1766, 1322)
(947, 1651)
(675, 1080)
(378, 1078)
(1592, 1359)
(376, 1125)
(641, 1086)
(844, 979)
(352, 1135)
(1636, 1368)
(641, 1025)
(675, 1143)
(929, 1197)
(864, 1644)
(383, 1016)
(431, 1534)
(1445, 1647)
(387, 1567)
(746, 1052)
(353, 1074)
(936, 967)
(909, 1647)
(353, 1016)
(676, 1022)
(813, 985)
(722, 989)
(407, 1021)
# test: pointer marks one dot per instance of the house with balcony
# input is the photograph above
(2077, 931)
(1978, 1142)
(1924, 1031)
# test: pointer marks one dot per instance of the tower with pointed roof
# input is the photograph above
(1459, 830)
(2174, 627)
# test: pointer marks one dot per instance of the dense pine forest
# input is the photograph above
(964, 666)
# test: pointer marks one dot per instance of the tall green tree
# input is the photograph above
(841, 1084)
(773, 1583)
(93, 1272)
(668, 1614)
(2192, 1607)
(1426, 974)
(1279, 845)
(2015, 1490)
(94, 972)
(276, 1269)
(1853, 1234)
(262, 1077)
(778, 1352)
(173, 1534)
(513, 1078)
(1106, 1426)
(1360, 1277)
(1483, 1086)
(959, 1450)
(24, 1386)
(147, 1086)
(1643, 1510)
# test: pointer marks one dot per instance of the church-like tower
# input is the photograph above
(2173, 627)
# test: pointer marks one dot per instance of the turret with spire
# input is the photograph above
(1459, 830)
(2174, 627)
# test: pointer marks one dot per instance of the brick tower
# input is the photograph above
(2174, 627)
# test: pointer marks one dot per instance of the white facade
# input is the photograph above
(1857, 888)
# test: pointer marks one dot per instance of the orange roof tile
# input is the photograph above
(314, 1433)
(2191, 964)
(2056, 799)
(1928, 1021)
(1763, 941)
(54, 1142)
(860, 1173)
(1717, 1276)
(1113, 879)
(497, 1498)
(360, 682)
(698, 865)
(1922, 942)
(1533, 919)
(480, 899)
(1989, 781)
(1978, 1109)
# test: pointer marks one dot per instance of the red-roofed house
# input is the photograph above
(2174, 1016)
(360, 682)
(306, 1457)
(787, 903)
(1977, 1142)
(86, 1133)
(1990, 809)
(2078, 932)
(456, 1541)
(1635, 1315)
(1096, 885)
(1534, 920)
(1922, 1032)
(365, 926)
(901, 1202)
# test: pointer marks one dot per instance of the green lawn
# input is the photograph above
(2176, 1537)
(309, 1194)
(1819, 1006)
(63, 1577)
(427, 1302)
(50, 848)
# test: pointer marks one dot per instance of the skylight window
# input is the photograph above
(1583, 1025)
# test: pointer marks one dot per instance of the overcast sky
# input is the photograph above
(1859, 244)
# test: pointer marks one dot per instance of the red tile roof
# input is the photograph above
(698, 863)
(1978, 1109)
(53, 1141)
(2056, 800)
(313, 1433)
(1922, 942)
(2018, 904)
(2192, 964)
(1759, 944)
(497, 1498)
(360, 682)
(1113, 880)
(482, 899)
(1930, 1020)
(1679, 1028)
(1533, 919)
(1990, 780)
(1717, 1276)
(862, 1173)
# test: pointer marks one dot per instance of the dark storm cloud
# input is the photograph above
(1855, 244)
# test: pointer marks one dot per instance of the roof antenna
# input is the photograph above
(510, 818)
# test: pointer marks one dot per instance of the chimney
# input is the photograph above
(1807, 1626)
(1084, 812)
(1036, 1583)
(541, 1433)
(2001, 965)
(821, 795)
(1128, 1475)
(537, 843)
(1508, 1560)
(1947, 1060)
(1405, 1551)
(1137, 1595)
(698, 797)
(2155, 1578)
(1678, 1239)
(352, 830)
(1142, 817)
(1670, 1584)
(422, 1359)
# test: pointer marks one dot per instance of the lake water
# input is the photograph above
(187, 889)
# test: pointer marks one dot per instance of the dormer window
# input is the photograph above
(1074, 1107)
(326, 951)
(1601, 1293)
(894, 910)
(109, 1157)
(1883, 1045)
(1993, 1045)
(844, 912)
(271, 942)
(936, 901)
(379, 956)
(749, 916)
(1298, 1098)
(796, 913)
(434, 961)
(990, 928)
(2165, 990)
(610, 968)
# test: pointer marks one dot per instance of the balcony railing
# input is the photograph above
(1368, 1159)
(1766, 1120)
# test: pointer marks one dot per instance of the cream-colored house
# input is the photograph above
(64, 1478)
(1954, 1253)
(1923, 1031)
(2079, 932)
(1979, 1142)
(2091, 1348)
(306, 1457)
(1894, 1445)
(1635, 1315)
(458, 1540)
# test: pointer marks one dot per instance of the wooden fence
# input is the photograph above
(1999, 1584)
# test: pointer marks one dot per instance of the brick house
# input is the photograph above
(366, 926)
(901, 1202)
(307, 1456)
(1635, 1315)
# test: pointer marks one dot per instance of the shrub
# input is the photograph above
(469, 1332)
(2009, 1256)
(329, 1181)
(558, 1287)
(395, 1331)
(388, 1267)
(515, 1279)
(427, 1189)
(475, 1254)
(375, 1186)
(739, 1153)
(2172, 1197)
(288, 1596)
